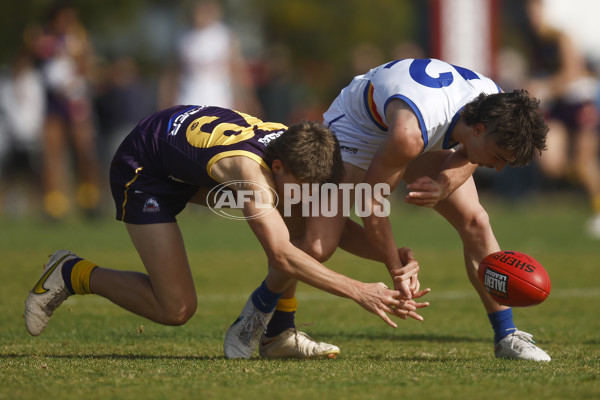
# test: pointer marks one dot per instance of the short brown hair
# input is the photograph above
(309, 151)
(514, 120)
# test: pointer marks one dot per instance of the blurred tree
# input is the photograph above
(322, 35)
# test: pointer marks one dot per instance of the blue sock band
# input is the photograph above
(280, 321)
(264, 299)
(502, 323)
(66, 270)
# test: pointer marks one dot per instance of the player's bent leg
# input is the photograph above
(166, 294)
(463, 211)
(318, 236)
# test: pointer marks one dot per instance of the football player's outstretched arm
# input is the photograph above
(272, 233)
(403, 144)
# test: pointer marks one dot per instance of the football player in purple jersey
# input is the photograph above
(183, 155)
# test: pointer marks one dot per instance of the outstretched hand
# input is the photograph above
(380, 300)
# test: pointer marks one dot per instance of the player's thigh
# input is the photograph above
(321, 233)
(162, 250)
(428, 164)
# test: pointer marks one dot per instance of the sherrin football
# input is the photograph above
(514, 279)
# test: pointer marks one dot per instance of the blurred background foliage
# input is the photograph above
(319, 35)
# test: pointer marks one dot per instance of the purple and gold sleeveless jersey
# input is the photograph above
(169, 155)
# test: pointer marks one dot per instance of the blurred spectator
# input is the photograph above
(65, 57)
(561, 79)
(122, 100)
(277, 87)
(210, 66)
(22, 105)
(365, 56)
(407, 49)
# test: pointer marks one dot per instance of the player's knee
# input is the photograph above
(319, 250)
(477, 223)
(180, 312)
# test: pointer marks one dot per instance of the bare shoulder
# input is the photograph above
(239, 168)
(397, 107)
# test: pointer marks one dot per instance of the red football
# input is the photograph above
(514, 279)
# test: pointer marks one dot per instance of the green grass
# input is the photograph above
(93, 349)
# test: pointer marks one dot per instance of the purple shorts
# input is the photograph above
(141, 196)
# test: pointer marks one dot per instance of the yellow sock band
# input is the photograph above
(80, 276)
(287, 305)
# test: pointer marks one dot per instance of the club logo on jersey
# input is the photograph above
(496, 283)
(255, 199)
(151, 206)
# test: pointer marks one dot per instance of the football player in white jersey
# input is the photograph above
(430, 124)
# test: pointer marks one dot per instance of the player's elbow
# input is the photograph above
(281, 260)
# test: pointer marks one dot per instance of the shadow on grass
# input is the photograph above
(113, 356)
(404, 338)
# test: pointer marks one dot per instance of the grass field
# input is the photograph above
(93, 349)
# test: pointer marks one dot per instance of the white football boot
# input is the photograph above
(47, 294)
(243, 335)
(293, 344)
(519, 345)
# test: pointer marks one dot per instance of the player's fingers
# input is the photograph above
(421, 293)
(406, 272)
(414, 284)
(422, 203)
(403, 287)
(416, 316)
(386, 319)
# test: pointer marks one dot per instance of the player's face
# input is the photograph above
(484, 152)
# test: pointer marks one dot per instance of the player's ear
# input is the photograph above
(479, 129)
(277, 166)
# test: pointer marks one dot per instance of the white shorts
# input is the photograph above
(358, 146)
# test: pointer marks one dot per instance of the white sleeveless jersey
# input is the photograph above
(435, 90)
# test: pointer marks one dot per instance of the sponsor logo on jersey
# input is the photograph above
(178, 119)
(349, 149)
(271, 136)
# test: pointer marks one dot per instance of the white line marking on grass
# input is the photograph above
(448, 295)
